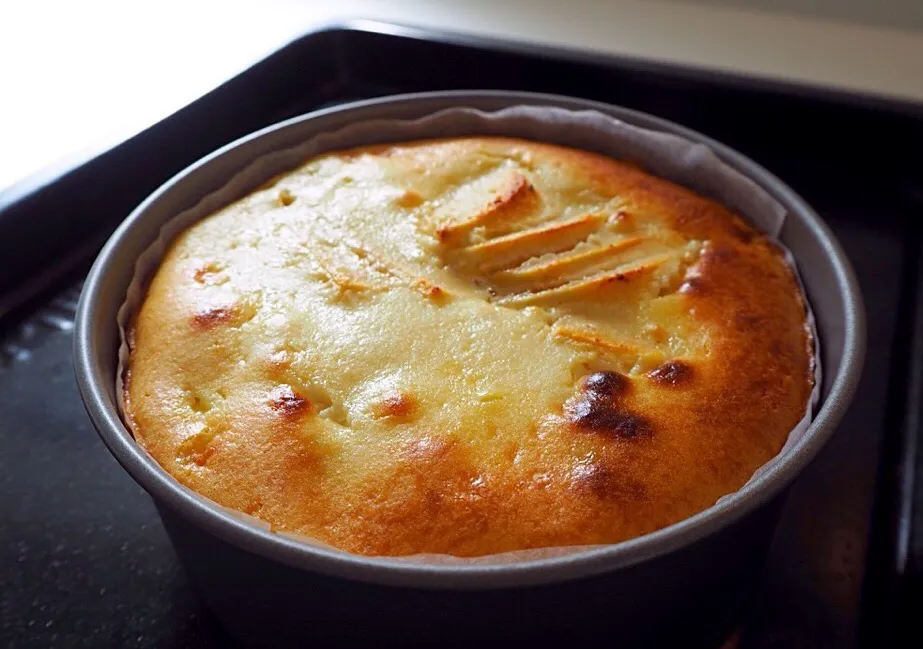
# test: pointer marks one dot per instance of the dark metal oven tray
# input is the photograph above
(83, 559)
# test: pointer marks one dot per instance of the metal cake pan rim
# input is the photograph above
(207, 515)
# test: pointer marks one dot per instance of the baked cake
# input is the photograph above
(468, 346)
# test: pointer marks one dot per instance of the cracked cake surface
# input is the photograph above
(468, 346)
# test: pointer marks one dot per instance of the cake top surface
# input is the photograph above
(468, 346)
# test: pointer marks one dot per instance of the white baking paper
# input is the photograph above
(669, 156)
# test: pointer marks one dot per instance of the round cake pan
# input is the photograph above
(682, 583)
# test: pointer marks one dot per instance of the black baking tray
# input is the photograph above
(83, 559)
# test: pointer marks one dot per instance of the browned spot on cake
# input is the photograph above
(444, 233)
(604, 384)
(435, 292)
(671, 373)
(286, 197)
(209, 273)
(288, 403)
(429, 290)
(657, 333)
(253, 506)
(598, 416)
(211, 317)
(602, 481)
(597, 407)
(395, 404)
(409, 198)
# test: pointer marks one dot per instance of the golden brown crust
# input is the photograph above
(468, 346)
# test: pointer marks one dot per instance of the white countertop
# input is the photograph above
(76, 73)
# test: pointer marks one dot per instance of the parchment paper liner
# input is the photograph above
(669, 156)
